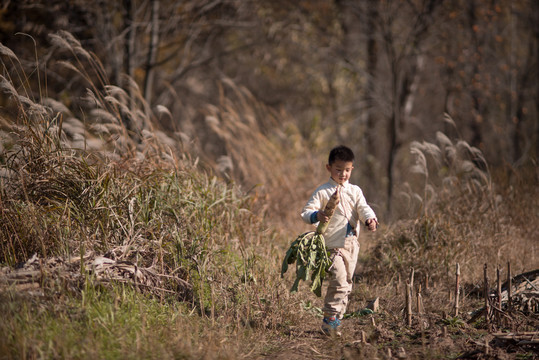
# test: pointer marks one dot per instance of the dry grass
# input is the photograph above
(73, 190)
(462, 214)
(104, 180)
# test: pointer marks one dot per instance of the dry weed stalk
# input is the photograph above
(457, 289)
(408, 304)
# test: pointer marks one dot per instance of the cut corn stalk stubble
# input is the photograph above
(310, 253)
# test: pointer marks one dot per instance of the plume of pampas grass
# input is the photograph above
(69, 66)
(449, 153)
(102, 116)
(164, 139)
(99, 129)
(420, 166)
(163, 110)
(56, 106)
(7, 86)
(117, 92)
(447, 167)
(72, 128)
(243, 145)
(59, 41)
(74, 45)
(105, 110)
(448, 119)
(5, 51)
(34, 109)
(117, 103)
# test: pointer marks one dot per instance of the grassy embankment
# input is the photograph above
(73, 190)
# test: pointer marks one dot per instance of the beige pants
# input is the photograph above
(340, 277)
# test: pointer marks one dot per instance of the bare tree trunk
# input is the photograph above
(334, 106)
(129, 53)
(537, 109)
(477, 137)
(535, 64)
(401, 84)
(390, 45)
(517, 131)
(152, 53)
(404, 63)
(372, 61)
(107, 33)
(519, 87)
(393, 147)
(537, 101)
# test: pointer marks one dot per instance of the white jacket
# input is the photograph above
(352, 209)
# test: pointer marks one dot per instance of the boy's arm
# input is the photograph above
(366, 213)
(311, 213)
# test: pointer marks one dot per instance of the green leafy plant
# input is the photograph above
(311, 308)
(309, 253)
(312, 261)
(453, 322)
(359, 313)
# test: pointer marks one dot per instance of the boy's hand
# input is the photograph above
(320, 216)
(372, 224)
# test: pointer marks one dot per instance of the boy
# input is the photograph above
(342, 231)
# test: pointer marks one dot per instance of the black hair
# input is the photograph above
(342, 153)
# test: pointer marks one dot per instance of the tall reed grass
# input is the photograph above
(454, 212)
(107, 182)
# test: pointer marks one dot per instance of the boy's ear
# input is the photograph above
(328, 167)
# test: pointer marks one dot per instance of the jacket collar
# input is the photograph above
(334, 183)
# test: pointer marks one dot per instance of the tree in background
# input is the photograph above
(376, 75)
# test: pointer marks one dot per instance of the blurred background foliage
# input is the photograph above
(261, 90)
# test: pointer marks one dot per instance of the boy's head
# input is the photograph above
(341, 152)
(340, 164)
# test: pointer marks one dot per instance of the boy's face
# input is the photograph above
(340, 171)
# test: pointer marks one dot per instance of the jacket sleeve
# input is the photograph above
(364, 211)
(315, 203)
